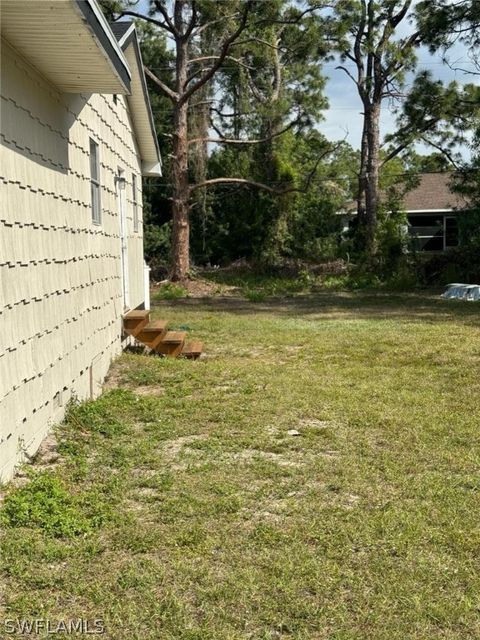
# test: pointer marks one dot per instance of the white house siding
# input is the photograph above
(60, 274)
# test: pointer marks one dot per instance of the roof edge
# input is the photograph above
(130, 38)
(102, 32)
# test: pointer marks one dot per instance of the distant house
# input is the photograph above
(433, 209)
(76, 137)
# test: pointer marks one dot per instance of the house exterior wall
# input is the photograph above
(60, 274)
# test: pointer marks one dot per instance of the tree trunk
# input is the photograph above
(371, 191)
(180, 183)
(362, 177)
(181, 196)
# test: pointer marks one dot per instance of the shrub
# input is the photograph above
(459, 264)
(171, 291)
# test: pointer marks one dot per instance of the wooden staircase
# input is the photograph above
(158, 338)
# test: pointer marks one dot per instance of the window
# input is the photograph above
(95, 183)
(115, 98)
(433, 232)
(135, 204)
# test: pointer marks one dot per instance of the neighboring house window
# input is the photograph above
(95, 182)
(433, 232)
(135, 204)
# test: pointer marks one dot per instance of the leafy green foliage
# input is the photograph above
(442, 115)
(445, 23)
(48, 504)
(101, 416)
(171, 291)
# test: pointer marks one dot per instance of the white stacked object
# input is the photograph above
(459, 291)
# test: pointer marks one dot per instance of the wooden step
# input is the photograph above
(174, 337)
(192, 349)
(152, 333)
(171, 343)
(136, 314)
(134, 321)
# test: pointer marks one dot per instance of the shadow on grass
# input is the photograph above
(409, 307)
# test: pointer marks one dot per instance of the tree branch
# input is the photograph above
(173, 95)
(230, 115)
(193, 20)
(222, 140)
(342, 68)
(161, 9)
(250, 183)
(203, 58)
(141, 16)
(441, 149)
(223, 54)
(260, 185)
(199, 30)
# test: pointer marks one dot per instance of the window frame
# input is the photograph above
(95, 183)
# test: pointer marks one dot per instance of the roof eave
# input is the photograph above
(102, 33)
(142, 114)
(68, 42)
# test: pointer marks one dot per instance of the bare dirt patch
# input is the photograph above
(313, 423)
(199, 288)
(150, 390)
(250, 455)
(172, 448)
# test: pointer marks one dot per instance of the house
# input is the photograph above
(77, 136)
(432, 211)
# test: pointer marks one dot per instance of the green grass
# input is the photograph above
(183, 509)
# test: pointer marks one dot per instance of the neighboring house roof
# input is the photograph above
(73, 47)
(433, 193)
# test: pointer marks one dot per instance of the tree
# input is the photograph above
(440, 116)
(445, 23)
(203, 34)
(184, 25)
(380, 60)
(275, 92)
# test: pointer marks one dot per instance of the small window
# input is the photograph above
(135, 204)
(115, 98)
(95, 183)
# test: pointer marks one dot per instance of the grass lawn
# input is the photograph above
(183, 508)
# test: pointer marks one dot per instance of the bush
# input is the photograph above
(157, 246)
(461, 264)
(171, 291)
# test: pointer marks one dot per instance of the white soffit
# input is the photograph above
(69, 42)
